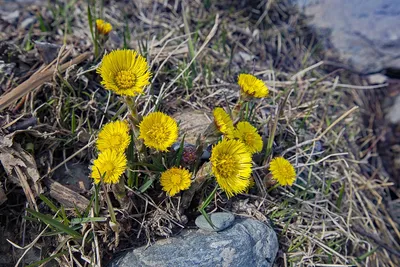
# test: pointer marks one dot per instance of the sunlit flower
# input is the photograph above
(223, 122)
(110, 165)
(231, 166)
(103, 27)
(251, 86)
(125, 72)
(248, 134)
(175, 180)
(114, 135)
(282, 171)
(158, 130)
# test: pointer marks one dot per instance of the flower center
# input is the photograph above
(249, 138)
(116, 141)
(159, 134)
(176, 179)
(108, 169)
(226, 166)
(125, 79)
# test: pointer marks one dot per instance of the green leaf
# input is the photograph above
(340, 198)
(88, 219)
(56, 224)
(48, 203)
(146, 185)
(180, 152)
(90, 19)
(96, 199)
(205, 204)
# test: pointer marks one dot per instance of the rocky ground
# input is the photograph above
(340, 63)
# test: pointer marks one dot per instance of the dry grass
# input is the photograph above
(335, 215)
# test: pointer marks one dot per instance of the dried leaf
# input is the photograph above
(21, 168)
(47, 51)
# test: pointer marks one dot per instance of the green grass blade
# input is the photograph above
(54, 223)
(180, 152)
(146, 185)
(48, 203)
(88, 219)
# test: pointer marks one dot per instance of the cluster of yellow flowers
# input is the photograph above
(126, 73)
(231, 158)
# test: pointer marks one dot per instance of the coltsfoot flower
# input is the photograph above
(231, 166)
(223, 122)
(103, 27)
(251, 86)
(248, 134)
(158, 131)
(125, 72)
(114, 135)
(282, 171)
(110, 165)
(175, 180)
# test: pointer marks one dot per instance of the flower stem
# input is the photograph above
(205, 204)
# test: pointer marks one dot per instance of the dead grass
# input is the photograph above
(335, 215)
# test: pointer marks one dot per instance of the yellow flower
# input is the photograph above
(223, 122)
(251, 86)
(103, 27)
(246, 133)
(158, 130)
(231, 166)
(114, 135)
(125, 72)
(111, 164)
(175, 180)
(282, 171)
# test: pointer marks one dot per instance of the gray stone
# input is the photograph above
(377, 78)
(11, 17)
(221, 221)
(363, 32)
(247, 243)
(393, 114)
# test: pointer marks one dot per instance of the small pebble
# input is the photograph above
(221, 221)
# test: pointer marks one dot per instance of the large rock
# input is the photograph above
(364, 32)
(247, 243)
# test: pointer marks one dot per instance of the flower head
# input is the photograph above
(125, 72)
(110, 165)
(158, 130)
(114, 135)
(175, 180)
(223, 122)
(103, 27)
(247, 133)
(231, 166)
(282, 171)
(251, 86)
